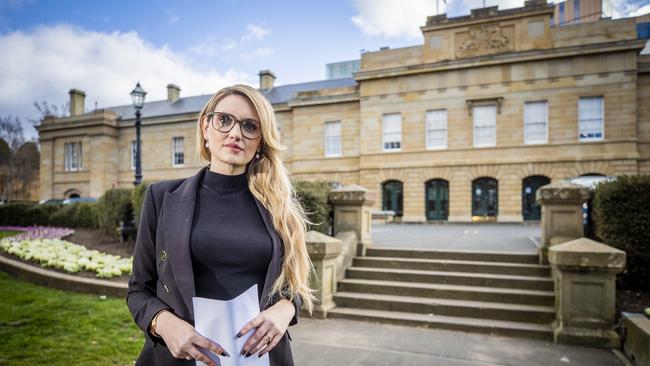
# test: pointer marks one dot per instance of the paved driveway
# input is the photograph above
(451, 236)
(354, 343)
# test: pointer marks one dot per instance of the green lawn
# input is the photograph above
(6, 233)
(39, 325)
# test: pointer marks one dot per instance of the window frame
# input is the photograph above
(526, 142)
(602, 119)
(427, 142)
(492, 144)
(383, 133)
(174, 139)
(325, 137)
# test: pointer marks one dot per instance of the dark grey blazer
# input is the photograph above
(162, 275)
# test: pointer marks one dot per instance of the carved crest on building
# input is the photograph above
(483, 40)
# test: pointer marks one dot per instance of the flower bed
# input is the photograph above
(50, 251)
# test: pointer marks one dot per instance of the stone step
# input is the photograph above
(447, 307)
(519, 269)
(491, 326)
(507, 257)
(444, 291)
(451, 278)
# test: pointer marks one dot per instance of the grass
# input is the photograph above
(39, 325)
(6, 233)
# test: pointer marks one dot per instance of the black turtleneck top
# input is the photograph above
(229, 243)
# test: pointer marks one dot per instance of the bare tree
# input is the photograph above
(46, 108)
(12, 156)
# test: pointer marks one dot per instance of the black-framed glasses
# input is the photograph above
(224, 122)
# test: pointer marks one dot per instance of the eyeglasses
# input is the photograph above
(224, 122)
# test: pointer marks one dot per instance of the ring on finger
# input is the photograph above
(188, 357)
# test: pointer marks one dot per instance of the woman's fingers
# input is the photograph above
(256, 341)
(210, 346)
(270, 346)
(199, 356)
(253, 323)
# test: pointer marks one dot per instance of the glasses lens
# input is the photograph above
(222, 122)
(250, 128)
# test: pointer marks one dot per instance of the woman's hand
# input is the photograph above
(183, 340)
(272, 322)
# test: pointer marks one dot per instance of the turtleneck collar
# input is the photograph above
(223, 182)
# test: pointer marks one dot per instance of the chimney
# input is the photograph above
(173, 92)
(77, 102)
(266, 79)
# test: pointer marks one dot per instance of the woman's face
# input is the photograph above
(231, 151)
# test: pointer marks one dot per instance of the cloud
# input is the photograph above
(45, 63)
(645, 9)
(211, 47)
(392, 18)
(255, 31)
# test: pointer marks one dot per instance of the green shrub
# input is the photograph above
(26, 214)
(64, 217)
(114, 205)
(86, 215)
(313, 198)
(621, 211)
(40, 214)
(14, 213)
(137, 199)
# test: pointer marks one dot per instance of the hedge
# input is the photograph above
(313, 198)
(114, 205)
(621, 210)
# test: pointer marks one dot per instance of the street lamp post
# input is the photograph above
(137, 96)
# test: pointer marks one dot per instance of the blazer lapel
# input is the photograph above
(178, 215)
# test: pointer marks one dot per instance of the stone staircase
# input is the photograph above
(500, 293)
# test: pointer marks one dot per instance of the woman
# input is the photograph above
(234, 224)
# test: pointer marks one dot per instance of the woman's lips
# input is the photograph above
(234, 149)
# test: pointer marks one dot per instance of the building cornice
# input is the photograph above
(320, 100)
(484, 15)
(500, 59)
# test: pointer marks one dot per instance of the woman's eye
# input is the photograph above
(225, 120)
(251, 126)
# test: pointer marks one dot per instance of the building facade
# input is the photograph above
(464, 127)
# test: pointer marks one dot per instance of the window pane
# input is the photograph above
(436, 124)
(590, 112)
(484, 125)
(392, 130)
(535, 120)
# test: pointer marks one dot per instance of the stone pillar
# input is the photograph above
(352, 211)
(584, 273)
(323, 251)
(561, 204)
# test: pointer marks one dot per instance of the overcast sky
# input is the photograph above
(105, 47)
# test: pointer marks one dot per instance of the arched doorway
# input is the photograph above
(530, 210)
(485, 200)
(437, 199)
(392, 196)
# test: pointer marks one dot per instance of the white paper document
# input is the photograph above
(220, 321)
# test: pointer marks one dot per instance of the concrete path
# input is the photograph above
(346, 342)
(451, 236)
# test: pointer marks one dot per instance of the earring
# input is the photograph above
(206, 143)
(257, 155)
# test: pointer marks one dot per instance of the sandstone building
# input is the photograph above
(465, 126)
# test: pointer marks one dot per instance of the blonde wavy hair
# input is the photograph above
(269, 181)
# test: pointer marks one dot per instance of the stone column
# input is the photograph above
(323, 251)
(352, 211)
(584, 273)
(561, 214)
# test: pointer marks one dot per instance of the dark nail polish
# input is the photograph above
(248, 355)
(260, 355)
(243, 352)
(225, 354)
(239, 334)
